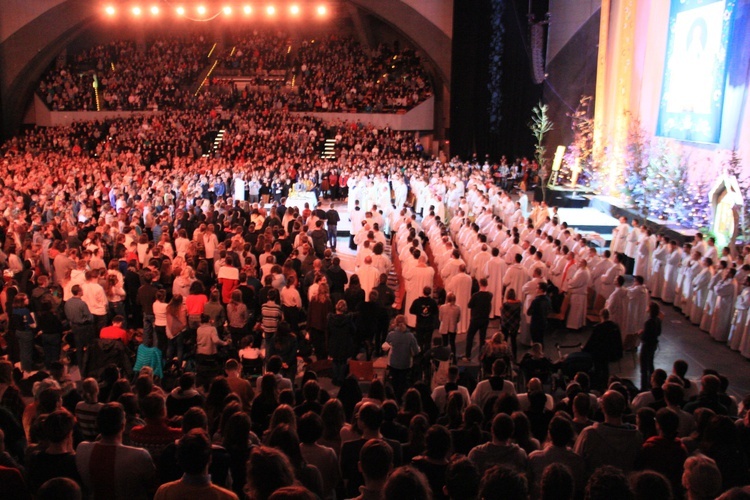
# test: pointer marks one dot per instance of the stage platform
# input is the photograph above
(615, 208)
(589, 221)
(566, 197)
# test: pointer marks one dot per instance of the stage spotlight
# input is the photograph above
(227, 10)
(322, 10)
(294, 10)
(155, 10)
(136, 11)
(201, 10)
(248, 10)
(110, 10)
(270, 10)
(180, 11)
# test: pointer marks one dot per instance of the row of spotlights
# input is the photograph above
(270, 10)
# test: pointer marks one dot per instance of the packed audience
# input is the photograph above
(337, 74)
(171, 321)
(328, 74)
(258, 51)
(128, 79)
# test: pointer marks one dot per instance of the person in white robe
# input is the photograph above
(578, 289)
(608, 279)
(700, 291)
(671, 268)
(691, 272)
(710, 305)
(738, 329)
(369, 277)
(643, 255)
(687, 257)
(617, 305)
(496, 268)
(619, 237)
(239, 188)
(528, 294)
(452, 266)
(638, 303)
(513, 249)
(515, 277)
(711, 251)
(460, 285)
(479, 262)
(631, 246)
(416, 278)
(726, 291)
(658, 262)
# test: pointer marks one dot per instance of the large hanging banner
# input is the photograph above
(692, 96)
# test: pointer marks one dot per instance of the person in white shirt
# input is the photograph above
(96, 298)
(441, 393)
(493, 386)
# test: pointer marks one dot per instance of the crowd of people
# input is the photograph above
(118, 76)
(331, 73)
(337, 74)
(171, 318)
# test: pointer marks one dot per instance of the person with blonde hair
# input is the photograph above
(87, 410)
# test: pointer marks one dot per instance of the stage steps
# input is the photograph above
(329, 151)
(216, 143)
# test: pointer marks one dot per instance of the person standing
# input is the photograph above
(146, 297)
(426, 310)
(96, 299)
(332, 219)
(81, 322)
(449, 314)
(605, 346)
(341, 345)
(109, 469)
(403, 347)
(578, 288)
(510, 320)
(538, 311)
(416, 278)
(460, 284)
(649, 342)
(23, 322)
(480, 306)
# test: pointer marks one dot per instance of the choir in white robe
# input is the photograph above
(496, 268)
(460, 285)
(687, 288)
(679, 295)
(617, 305)
(700, 292)
(619, 239)
(671, 271)
(738, 328)
(578, 289)
(722, 317)
(609, 280)
(658, 262)
(528, 294)
(710, 305)
(515, 278)
(643, 258)
(638, 302)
